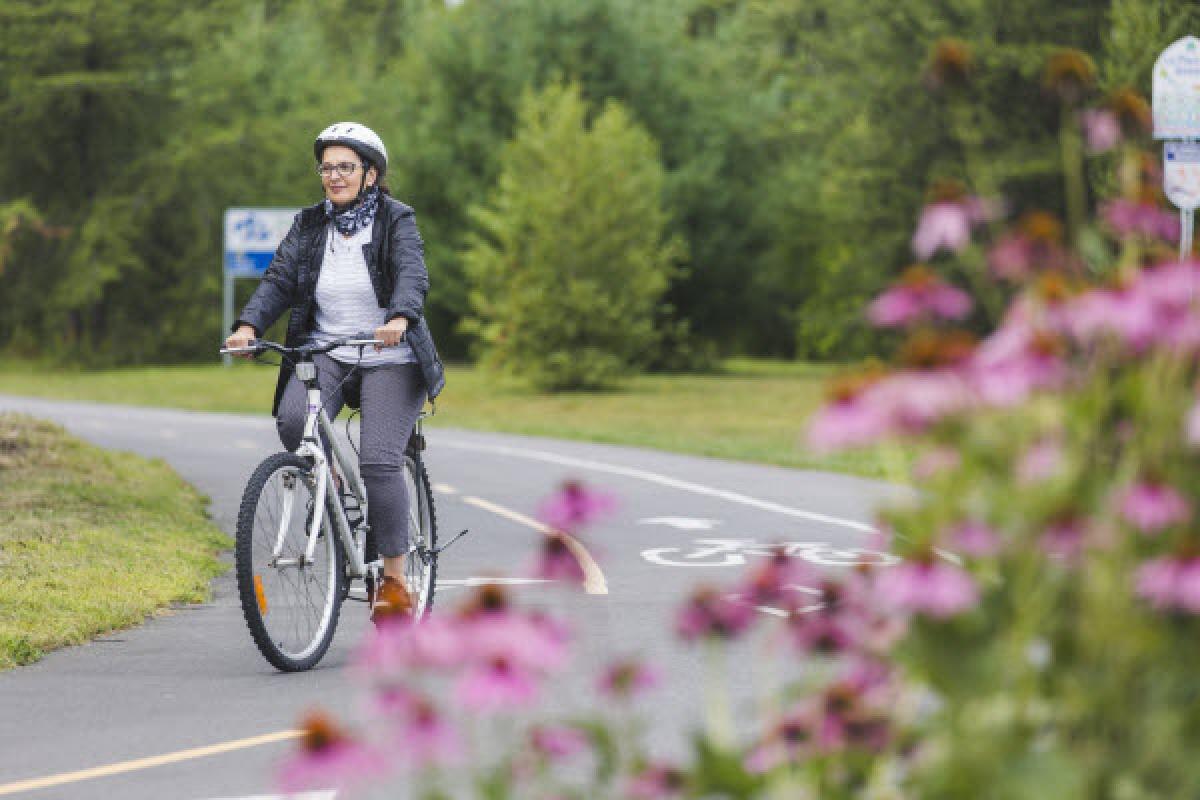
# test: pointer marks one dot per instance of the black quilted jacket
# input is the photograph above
(395, 259)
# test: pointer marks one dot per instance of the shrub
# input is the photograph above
(574, 253)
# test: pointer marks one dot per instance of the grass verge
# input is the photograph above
(754, 410)
(92, 540)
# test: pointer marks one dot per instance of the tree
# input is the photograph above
(573, 253)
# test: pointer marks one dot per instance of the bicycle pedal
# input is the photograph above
(438, 550)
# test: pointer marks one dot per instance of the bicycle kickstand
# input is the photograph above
(459, 535)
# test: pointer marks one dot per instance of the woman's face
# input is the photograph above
(341, 189)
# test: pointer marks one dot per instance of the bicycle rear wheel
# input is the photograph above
(291, 604)
(420, 564)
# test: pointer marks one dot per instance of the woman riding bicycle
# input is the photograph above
(352, 263)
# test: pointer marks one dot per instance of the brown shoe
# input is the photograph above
(391, 601)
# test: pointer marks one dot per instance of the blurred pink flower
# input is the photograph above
(935, 461)
(1014, 361)
(626, 679)
(709, 612)
(1101, 129)
(515, 639)
(1128, 314)
(1155, 580)
(1151, 507)
(773, 581)
(931, 588)
(973, 538)
(329, 756)
(787, 742)
(1042, 461)
(1127, 218)
(913, 400)
(657, 782)
(436, 643)
(496, 685)
(1064, 538)
(850, 422)
(943, 225)
(573, 506)
(919, 294)
(556, 562)
(1012, 257)
(423, 737)
(823, 632)
(557, 742)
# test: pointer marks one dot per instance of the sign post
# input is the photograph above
(1176, 106)
(251, 238)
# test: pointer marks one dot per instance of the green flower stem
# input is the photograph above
(718, 714)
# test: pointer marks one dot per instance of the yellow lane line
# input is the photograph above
(145, 763)
(593, 578)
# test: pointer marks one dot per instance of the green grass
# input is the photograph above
(92, 541)
(754, 410)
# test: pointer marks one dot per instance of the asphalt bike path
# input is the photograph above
(184, 706)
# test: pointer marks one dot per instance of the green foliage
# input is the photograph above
(574, 251)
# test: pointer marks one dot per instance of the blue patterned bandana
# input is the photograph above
(357, 217)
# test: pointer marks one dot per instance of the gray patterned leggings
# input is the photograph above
(392, 396)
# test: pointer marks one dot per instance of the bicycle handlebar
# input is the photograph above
(262, 345)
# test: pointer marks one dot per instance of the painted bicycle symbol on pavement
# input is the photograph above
(736, 552)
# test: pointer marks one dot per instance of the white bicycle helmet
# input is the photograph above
(358, 138)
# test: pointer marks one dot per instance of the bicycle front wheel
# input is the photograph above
(290, 601)
(420, 564)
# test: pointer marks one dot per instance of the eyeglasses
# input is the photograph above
(343, 168)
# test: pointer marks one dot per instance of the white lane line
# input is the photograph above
(146, 763)
(444, 488)
(593, 578)
(662, 480)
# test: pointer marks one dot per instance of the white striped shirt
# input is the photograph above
(346, 302)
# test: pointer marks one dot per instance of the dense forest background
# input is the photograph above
(795, 140)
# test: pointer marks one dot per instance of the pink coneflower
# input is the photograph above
(573, 506)
(626, 679)
(436, 643)
(772, 582)
(1124, 313)
(516, 639)
(944, 225)
(329, 755)
(423, 737)
(1128, 218)
(919, 294)
(851, 422)
(1042, 461)
(1101, 129)
(496, 685)
(1014, 361)
(787, 742)
(557, 742)
(1150, 506)
(913, 400)
(1171, 583)
(931, 588)
(712, 613)
(657, 782)
(823, 632)
(1064, 538)
(973, 538)
(556, 562)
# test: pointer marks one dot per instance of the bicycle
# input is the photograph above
(303, 536)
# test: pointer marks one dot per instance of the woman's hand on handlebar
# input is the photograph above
(391, 333)
(242, 337)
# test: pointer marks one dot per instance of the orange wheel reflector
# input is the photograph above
(260, 594)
